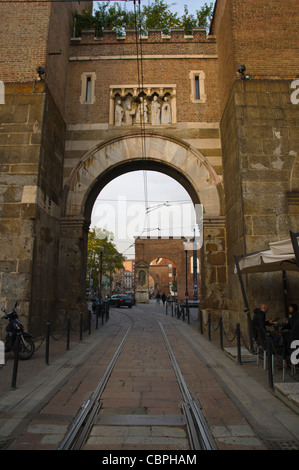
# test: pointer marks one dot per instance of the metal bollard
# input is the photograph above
(269, 360)
(47, 343)
(89, 322)
(221, 332)
(209, 325)
(68, 333)
(81, 326)
(15, 363)
(239, 343)
(201, 322)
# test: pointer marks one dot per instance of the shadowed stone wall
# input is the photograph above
(260, 138)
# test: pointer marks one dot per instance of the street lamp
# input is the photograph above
(186, 269)
(195, 291)
(186, 244)
(101, 272)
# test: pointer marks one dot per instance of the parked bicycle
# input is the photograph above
(14, 331)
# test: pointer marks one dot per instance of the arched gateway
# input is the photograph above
(63, 135)
(106, 161)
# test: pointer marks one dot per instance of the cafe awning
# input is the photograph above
(279, 257)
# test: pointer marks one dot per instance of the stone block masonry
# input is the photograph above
(31, 194)
(260, 150)
(20, 137)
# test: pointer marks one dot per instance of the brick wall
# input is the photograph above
(263, 36)
(36, 34)
(148, 249)
(266, 36)
(23, 39)
(167, 61)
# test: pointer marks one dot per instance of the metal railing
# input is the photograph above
(101, 315)
(237, 338)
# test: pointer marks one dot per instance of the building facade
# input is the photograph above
(230, 138)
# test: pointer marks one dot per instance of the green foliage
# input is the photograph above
(158, 15)
(204, 15)
(111, 260)
(154, 15)
(85, 20)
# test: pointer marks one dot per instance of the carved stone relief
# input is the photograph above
(153, 106)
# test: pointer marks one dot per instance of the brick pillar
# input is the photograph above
(142, 285)
(72, 269)
(214, 275)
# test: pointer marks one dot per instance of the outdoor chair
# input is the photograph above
(262, 336)
(261, 345)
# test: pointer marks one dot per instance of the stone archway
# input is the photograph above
(162, 269)
(101, 165)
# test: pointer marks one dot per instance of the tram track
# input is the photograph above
(198, 430)
(199, 435)
(80, 427)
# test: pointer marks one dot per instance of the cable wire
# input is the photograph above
(138, 30)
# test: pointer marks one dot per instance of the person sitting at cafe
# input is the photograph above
(259, 317)
(293, 317)
(295, 332)
(260, 322)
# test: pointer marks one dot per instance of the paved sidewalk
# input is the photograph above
(271, 419)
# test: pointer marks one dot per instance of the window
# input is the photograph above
(2, 95)
(197, 91)
(88, 88)
(197, 78)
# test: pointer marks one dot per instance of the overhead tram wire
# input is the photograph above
(141, 87)
(159, 202)
(138, 31)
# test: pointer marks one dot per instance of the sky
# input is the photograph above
(143, 203)
(146, 203)
(192, 5)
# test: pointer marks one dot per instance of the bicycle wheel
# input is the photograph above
(26, 348)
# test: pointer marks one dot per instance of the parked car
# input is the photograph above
(121, 300)
(131, 297)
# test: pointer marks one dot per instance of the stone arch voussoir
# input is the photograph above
(169, 152)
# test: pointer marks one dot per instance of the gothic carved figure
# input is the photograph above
(119, 113)
(166, 112)
(129, 113)
(141, 113)
(156, 109)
